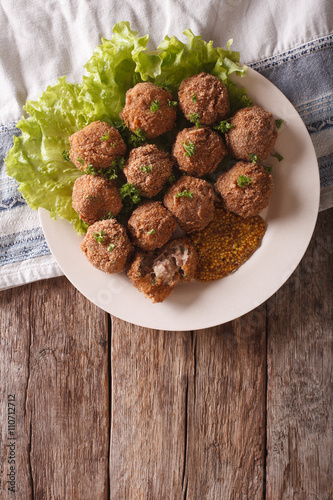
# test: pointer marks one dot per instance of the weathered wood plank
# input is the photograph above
(226, 411)
(148, 429)
(55, 360)
(300, 377)
(188, 412)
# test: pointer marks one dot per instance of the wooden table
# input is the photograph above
(105, 409)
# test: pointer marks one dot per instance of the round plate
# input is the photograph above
(290, 217)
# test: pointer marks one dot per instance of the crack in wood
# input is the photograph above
(29, 458)
(110, 401)
(185, 478)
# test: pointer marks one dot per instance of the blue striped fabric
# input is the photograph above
(303, 74)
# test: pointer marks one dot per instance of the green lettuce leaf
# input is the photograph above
(36, 160)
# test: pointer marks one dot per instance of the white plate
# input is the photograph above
(291, 217)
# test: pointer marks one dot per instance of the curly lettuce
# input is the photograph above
(37, 162)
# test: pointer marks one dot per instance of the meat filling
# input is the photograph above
(166, 265)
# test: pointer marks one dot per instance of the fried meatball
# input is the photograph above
(107, 246)
(97, 144)
(147, 108)
(245, 189)
(95, 198)
(157, 273)
(191, 201)
(198, 151)
(151, 225)
(254, 132)
(205, 97)
(148, 168)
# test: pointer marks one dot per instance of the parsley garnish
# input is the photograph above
(155, 105)
(194, 98)
(111, 247)
(278, 123)
(108, 216)
(247, 135)
(152, 231)
(146, 168)
(172, 179)
(130, 196)
(172, 104)
(243, 181)
(189, 148)
(194, 118)
(106, 136)
(80, 160)
(132, 140)
(185, 194)
(223, 126)
(138, 138)
(253, 157)
(278, 156)
(99, 236)
(65, 155)
(268, 169)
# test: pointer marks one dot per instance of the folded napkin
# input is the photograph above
(290, 43)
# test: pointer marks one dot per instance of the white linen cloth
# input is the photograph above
(45, 39)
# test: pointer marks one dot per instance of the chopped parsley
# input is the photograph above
(268, 169)
(253, 157)
(152, 231)
(172, 104)
(80, 160)
(110, 173)
(146, 168)
(243, 181)
(108, 216)
(278, 156)
(130, 196)
(194, 118)
(278, 123)
(189, 148)
(194, 98)
(185, 194)
(223, 126)
(138, 138)
(65, 155)
(111, 247)
(99, 236)
(172, 179)
(247, 135)
(106, 136)
(155, 105)
(132, 140)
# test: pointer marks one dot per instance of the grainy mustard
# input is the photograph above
(226, 243)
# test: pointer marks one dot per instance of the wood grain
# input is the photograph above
(226, 411)
(300, 381)
(149, 397)
(188, 412)
(55, 360)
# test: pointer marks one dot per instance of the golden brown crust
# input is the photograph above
(254, 133)
(95, 198)
(195, 212)
(209, 150)
(107, 246)
(250, 199)
(97, 144)
(148, 168)
(138, 114)
(151, 225)
(205, 95)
